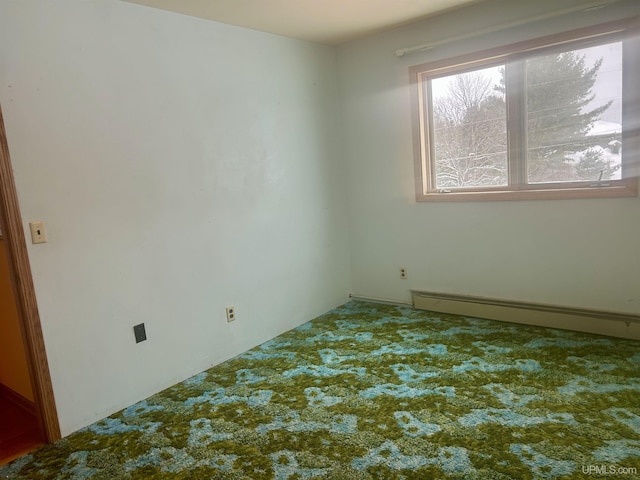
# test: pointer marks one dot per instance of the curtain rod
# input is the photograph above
(496, 28)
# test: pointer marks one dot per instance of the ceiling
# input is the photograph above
(324, 21)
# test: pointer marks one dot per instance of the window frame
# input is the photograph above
(626, 30)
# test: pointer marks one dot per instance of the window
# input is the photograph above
(556, 117)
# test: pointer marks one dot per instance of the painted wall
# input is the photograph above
(14, 372)
(575, 252)
(180, 166)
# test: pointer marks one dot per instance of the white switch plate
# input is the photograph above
(38, 234)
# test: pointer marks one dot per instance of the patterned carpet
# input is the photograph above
(371, 391)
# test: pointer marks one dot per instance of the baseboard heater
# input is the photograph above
(615, 324)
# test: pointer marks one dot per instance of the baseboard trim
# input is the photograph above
(386, 301)
(17, 399)
(601, 322)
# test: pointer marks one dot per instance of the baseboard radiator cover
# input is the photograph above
(613, 324)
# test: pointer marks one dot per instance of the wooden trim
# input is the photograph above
(417, 124)
(517, 189)
(17, 399)
(625, 188)
(617, 324)
(516, 122)
(25, 295)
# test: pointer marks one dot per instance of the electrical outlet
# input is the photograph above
(231, 313)
(37, 232)
(403, 273)
(140, 333)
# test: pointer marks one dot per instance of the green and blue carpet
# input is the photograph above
(371, 391)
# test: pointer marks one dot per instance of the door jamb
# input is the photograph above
(25, 295)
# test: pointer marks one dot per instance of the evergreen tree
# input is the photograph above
(592, 166)
(470, 127)
(559, 89)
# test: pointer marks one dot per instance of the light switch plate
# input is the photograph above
(38, 234)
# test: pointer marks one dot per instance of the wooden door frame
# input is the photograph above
(25, 295)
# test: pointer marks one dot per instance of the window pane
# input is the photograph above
(469, 120)
(574, 115)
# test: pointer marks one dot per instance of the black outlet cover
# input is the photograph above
(140, 333)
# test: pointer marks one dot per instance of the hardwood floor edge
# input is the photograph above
(17, 399)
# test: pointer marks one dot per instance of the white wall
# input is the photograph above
(180, 166)
(574, 252)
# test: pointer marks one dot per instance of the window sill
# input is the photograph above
(626, 188)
